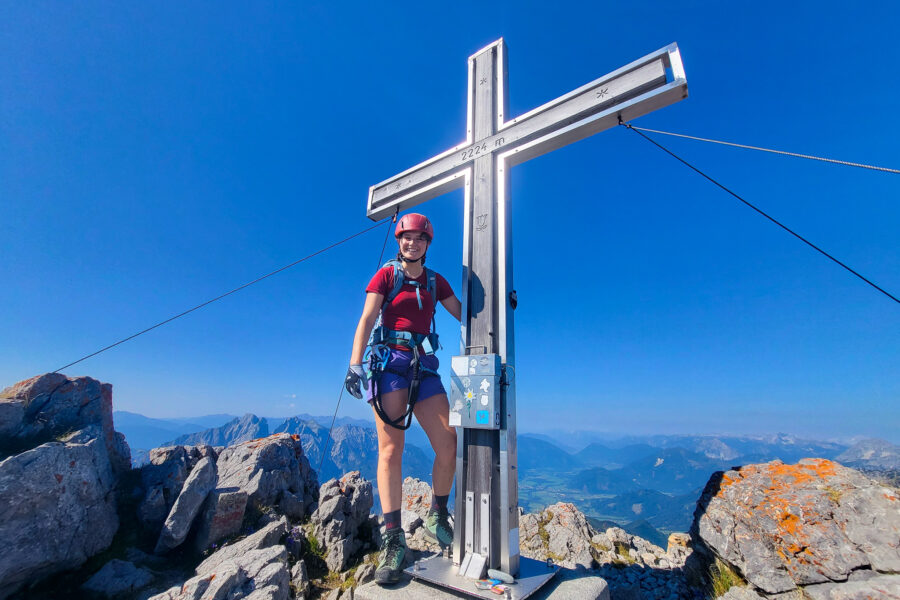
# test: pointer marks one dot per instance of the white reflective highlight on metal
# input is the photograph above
(432, 177)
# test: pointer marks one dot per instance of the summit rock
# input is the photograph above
(58, 480)
(815, 524)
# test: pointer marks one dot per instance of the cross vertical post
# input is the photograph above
(486, 485)
(486, 524)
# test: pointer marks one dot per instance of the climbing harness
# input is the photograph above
(378, 350)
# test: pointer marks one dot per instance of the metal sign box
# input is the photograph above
(475, 391)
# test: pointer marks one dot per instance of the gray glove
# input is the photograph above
(355, 375)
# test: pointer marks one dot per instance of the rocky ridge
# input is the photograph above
(251, 521)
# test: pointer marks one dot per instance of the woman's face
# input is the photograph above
(413, 244)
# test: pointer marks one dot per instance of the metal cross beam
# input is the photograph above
(636, 89)
(486, 515)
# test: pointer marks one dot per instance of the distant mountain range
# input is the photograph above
(642, 483)
(146, 432)
(871, 454)
(235, 431)
(351, 446)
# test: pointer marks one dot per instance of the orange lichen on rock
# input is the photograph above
(725, 482)
(789, 523)
(782, 503)
(812, 469)
(795, 549)
(783, 475)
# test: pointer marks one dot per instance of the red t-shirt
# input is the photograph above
(403, 313)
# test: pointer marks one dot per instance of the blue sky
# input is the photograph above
(155, 156)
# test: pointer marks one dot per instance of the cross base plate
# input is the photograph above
(441, 571)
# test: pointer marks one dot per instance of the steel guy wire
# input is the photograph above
(328, 437)
(793, 233)
(809, 156)
(219, 297)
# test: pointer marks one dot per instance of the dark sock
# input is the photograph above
(439, 503)
(392, 520)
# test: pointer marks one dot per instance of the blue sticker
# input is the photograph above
(483, 417)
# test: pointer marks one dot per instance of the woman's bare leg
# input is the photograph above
(433, 414)
(390, 451)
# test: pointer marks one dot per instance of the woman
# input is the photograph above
(405, 378)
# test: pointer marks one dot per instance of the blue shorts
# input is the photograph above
(399, 362)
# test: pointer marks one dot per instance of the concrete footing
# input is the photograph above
(567, 585)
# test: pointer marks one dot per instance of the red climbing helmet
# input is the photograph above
(414, 222)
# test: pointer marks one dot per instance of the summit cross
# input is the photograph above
(486, 518)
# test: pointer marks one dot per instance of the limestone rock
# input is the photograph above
(344, 507)
(119, 453)
(410, 521)
(299, 579)
(142, 559)
(783, 526)
(364, 574)
(292, 506)
(118, 578)
(222, 517)
(267, 536)
(54, 405)
(12, 413)
(267, 469)
(255, 575)
(678, 540)
(162, 481)
(196, 453)
(163, 478)
(152, 510)
(740, 593)
(636, 582)
(416, 496)
(560, 533)
(197, 486)
(413, 512)
(57, 508)
(678, 547)
(879, 587)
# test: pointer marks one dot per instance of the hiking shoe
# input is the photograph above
(390, 561)
(437, 527)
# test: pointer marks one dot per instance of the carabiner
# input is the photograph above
(376, 357)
